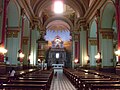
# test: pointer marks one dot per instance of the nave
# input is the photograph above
(61, 82)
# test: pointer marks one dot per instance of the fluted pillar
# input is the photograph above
(35, 36)
(83, 45)
(92, 51)
(13, 43)
(73, 49)
(4, 21)
(106, 40)
(25, 49)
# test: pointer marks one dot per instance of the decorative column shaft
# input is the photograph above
(98, 27)
(83, 45)
(13, 36)
(117, 4)
(4, 21)
(4, 28)
(73, 50)
(30, 40)
(22, 31)
(93, 51)
(77, 45)
(106, 35)
(25, 48)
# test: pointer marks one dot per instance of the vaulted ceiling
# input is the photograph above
(42, 12)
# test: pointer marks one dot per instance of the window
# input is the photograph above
(57, 55)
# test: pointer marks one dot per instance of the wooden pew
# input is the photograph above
(30, 82)
(3, 79)
(104, 87)
(23, 86)
(87, 84)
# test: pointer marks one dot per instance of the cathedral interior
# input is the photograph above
(73, 37)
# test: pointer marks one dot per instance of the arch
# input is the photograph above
(59, 18)
(108, 15)
(13, 19)
(78, 7)
(93, 28)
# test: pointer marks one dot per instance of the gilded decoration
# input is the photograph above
(76, 37)
(93, 42)
(107, 34)
(25, 40)
(12, 33)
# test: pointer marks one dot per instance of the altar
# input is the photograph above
(57, 53)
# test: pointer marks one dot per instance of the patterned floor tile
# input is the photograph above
(60, 82)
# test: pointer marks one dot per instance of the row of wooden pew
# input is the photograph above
(92, 80)
(27, 80)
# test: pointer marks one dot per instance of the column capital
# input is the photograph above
(107, 33)
(75, 36)
(25, 40)
(93, 41)
(13, 32)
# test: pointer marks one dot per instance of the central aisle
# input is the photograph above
(60, 82)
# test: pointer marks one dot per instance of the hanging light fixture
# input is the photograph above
(58, 6)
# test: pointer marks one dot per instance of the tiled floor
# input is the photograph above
(60, 82)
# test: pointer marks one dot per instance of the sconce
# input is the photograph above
(20, 56)
(117, 53)
(2, 53)
(29, 58)
(87, 59)
(76, 60)
(39, 61)
(3, 50)
(98, 57)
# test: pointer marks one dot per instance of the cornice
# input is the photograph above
(13, 32)
(93, 8)
(107, 33)
(29, 7)
(28, 11)
(93, 41)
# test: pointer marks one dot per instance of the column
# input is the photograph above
(106, 39)
(13, 42)
(25, 48)
(77, 47)
(73, 50)
(117, 4)
(2, 43)
(83, 45)
(93, 51)
(35, 36)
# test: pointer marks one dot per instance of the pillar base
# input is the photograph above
(118, 68)
(2, 68)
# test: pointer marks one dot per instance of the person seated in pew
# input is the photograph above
(12, 72)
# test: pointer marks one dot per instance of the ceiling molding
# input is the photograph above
(64, 19)
(28, 13)
(93, 8)
(76, 5)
